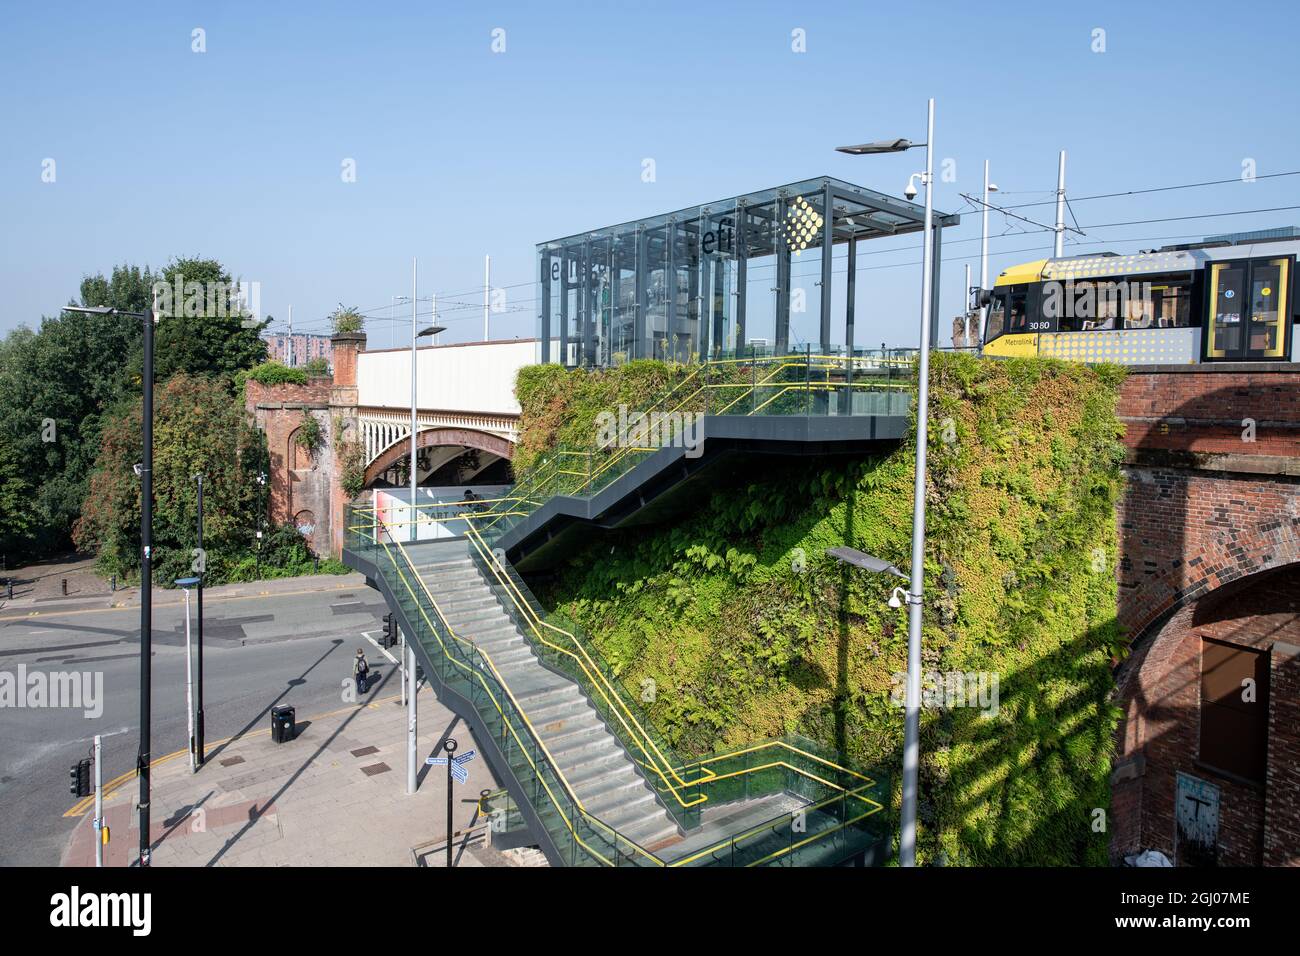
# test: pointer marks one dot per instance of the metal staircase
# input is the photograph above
(582, 764)
(588, 755)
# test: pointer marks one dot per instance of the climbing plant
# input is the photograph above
(748, 630)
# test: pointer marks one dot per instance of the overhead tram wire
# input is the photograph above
(1159, 189)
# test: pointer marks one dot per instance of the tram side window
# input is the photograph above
(1160, 302)
(997, 320)
(1018, 310)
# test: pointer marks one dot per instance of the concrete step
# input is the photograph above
(461, 617)
(566, 709)
(625, 806)
(466, 599)
(597, 767)
(488, 633)
(571, 745)
(653, 833)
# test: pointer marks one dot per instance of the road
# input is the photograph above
(290, 645)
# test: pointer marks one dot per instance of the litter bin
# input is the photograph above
(282, 724)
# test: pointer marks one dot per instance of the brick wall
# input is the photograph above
(300, 482)
(1282, 805)
(1204, 513)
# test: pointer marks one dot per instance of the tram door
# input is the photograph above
(1249, 309)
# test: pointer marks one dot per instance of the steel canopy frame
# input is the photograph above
(666, 308)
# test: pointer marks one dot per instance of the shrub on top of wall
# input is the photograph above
(749, 631)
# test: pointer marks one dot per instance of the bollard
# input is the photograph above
(112, 583)
(9, 589)
(65, 587)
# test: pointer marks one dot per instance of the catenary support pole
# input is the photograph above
(984, 252)
(487, 293)
(1058, 247)
(415, 458)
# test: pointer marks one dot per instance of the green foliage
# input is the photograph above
(207, 335)
(346, 320)
(272, 373)
(351, 458)
(318, 367)
(59, 386)
(309, 435)
(282, 554)
(198, 428)
(749, 631)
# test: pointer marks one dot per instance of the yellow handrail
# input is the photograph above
(532, 730)
(594, 675)
(618, 837)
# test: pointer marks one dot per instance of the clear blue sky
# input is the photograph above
(236, 153)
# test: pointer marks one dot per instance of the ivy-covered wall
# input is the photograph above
(748, 631)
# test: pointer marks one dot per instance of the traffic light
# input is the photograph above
(390, 631)
(79, 786)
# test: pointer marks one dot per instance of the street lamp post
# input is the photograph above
(198, 717)
(146, 562)
(187, 584)
(912, 704)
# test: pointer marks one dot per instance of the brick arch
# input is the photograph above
(1158, 691)
(439, 438)
(1236, 550)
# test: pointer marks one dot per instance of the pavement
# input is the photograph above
(333, 796)
(287, 641)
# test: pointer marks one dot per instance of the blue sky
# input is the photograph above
(236, 153)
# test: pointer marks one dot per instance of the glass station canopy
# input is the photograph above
(758, 272)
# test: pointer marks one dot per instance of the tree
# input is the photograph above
(56, 385)
(347, 320)
(199, 427)
(206, 330)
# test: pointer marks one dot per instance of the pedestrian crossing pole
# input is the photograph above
(411, 758)
(450, 748)
(99, 804)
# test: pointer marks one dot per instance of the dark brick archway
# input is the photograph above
(439, 438)
(1209, 530)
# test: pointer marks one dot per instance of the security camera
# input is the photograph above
(894, 600)
(910, 191)
(138, 469)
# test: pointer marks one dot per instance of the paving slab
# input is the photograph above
(302, 803)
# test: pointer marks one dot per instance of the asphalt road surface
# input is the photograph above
(284, 647)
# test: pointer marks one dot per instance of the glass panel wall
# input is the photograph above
(754, 273)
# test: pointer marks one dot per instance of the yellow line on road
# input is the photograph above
(82, 806)
(136, 607)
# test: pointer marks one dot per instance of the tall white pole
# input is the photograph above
(402, 632)
(290, 363)
(99, 803)
(487, 290)
(1059, 246)
(912, 706)
(965, 307)
(411, 722)
(984, 253)
(414, 335)
(189, 685)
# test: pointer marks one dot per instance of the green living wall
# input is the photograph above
(749, 631)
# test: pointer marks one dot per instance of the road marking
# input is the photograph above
(391, 659)
(83, 806)
(211, 599)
